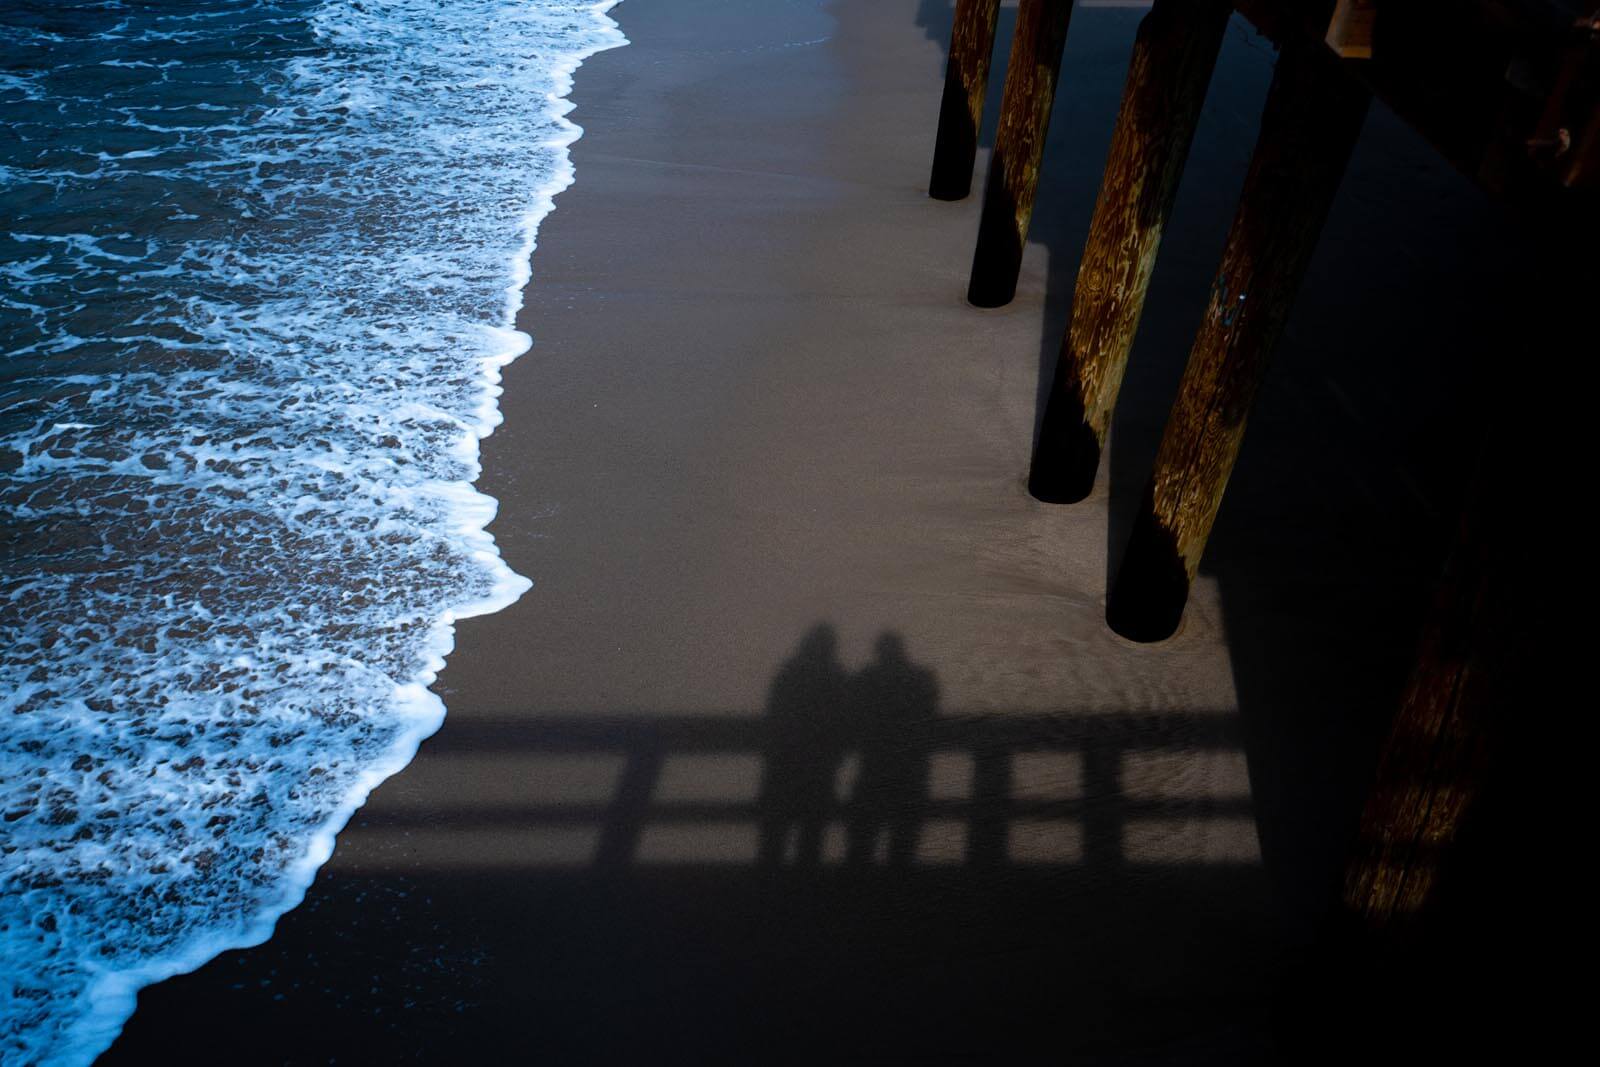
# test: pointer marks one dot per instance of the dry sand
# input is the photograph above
(758, 405)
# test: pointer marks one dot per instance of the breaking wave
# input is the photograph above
(256, 288)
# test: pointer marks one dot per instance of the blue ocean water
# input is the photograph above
(258, 266)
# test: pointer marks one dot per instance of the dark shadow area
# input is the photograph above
(995, 888)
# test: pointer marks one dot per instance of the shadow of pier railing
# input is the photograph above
(1090, 790)
(599, 889)
(638, 887)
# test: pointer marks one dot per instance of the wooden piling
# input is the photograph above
(1312, 118)
(1030, 90)
(1436, 757)
(966, 83)
(1173, 57)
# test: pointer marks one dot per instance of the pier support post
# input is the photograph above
(1173, 57)
(1312, 118)
(1435, 759)
(1030, 91)
(966, 83)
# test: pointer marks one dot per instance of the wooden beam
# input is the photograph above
(1173, 57)
(1031, 75)
(1436, 757)
(1312, 118)
(966, 83)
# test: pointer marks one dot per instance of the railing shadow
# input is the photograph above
(1097, 791)
(849, 873)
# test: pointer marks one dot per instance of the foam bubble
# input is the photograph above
(256, 303)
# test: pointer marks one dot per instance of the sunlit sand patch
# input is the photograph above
(1046, 775)
(941, 842)
(722, 777)
(950, 776)
(1218, 774)
(835, 843)
(509, 848)
(846, 776)
(1044, 841)
(1199, 839)
(495, 780)
(698, 842)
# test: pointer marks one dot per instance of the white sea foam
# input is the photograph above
(255, 306)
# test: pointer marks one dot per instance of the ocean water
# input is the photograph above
(258, 266)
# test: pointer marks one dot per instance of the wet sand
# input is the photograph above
(809, 743)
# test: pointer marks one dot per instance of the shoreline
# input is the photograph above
(112, 997)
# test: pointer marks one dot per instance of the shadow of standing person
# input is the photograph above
(804, 708)
(892, 703)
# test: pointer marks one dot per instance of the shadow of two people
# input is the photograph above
(824, 720)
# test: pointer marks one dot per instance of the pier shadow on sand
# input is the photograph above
(850, 874)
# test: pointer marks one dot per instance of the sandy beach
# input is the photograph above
(766, 468)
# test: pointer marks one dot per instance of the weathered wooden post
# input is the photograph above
(966, 83)
(1312, 118)
(1435, 759)
(1031, 75)
(1173, 57)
